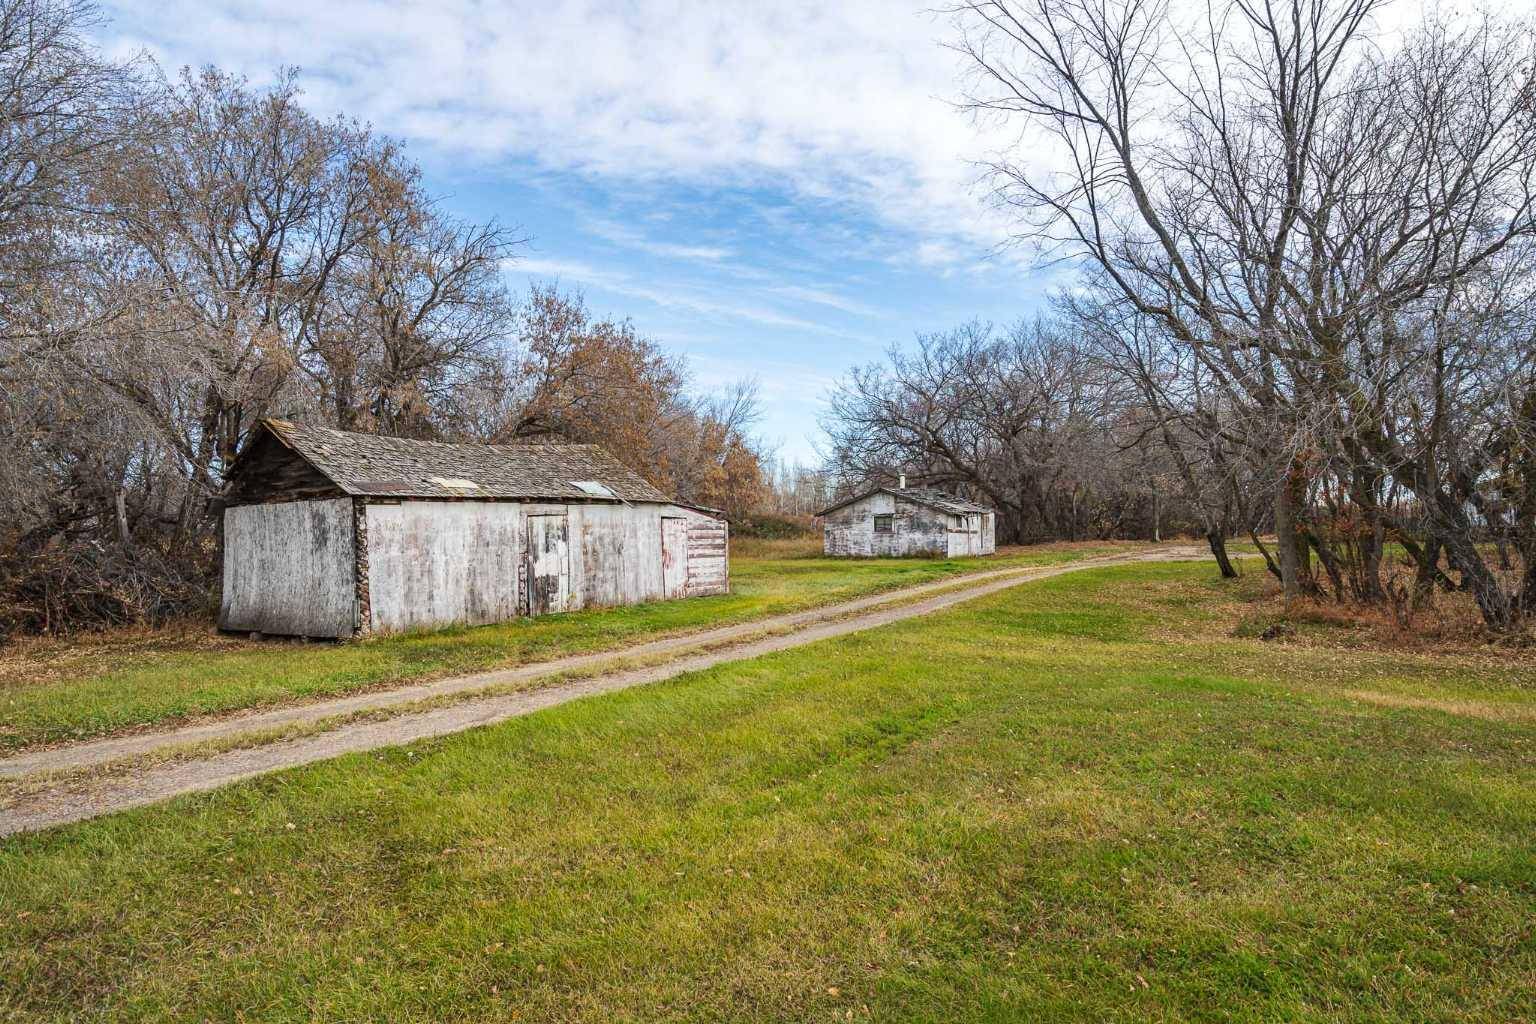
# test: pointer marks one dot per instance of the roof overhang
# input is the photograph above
(576, 474)
(906, 495)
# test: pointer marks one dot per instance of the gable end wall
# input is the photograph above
(916, 529)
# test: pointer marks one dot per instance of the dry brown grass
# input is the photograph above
(1446, 622)
(1493, 712)
(782, 547)
(38, 659)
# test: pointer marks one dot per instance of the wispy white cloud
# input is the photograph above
(845, 102)
(937, 253)
(631, 238)
(824, 297)
(841, 102)
(687, 296)
(537, 266)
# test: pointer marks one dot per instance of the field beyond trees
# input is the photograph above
(1088, 798)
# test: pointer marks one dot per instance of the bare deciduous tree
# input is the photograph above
(1321, 223)
(1027, 419)
(180, 257)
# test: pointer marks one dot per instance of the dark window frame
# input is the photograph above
(889, 521)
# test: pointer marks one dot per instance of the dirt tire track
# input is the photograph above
(74, 801)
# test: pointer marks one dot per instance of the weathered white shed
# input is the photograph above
(329, 533)
(897, 521)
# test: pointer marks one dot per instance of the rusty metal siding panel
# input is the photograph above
(437, 563)
(289, 569)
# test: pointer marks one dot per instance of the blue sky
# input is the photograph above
(778, 191)
(747, 282)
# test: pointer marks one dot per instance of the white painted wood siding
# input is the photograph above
(972, 534)
(674, 556)
(441, 563)
(289, 569)
(548, 576)
(615, 555)
(915, 529)
(435, 563)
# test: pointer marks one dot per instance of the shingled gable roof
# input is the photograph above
(397, 467)
(930, 496)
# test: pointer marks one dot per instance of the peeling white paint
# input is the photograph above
(439, 563)
(289, 569)
(916, 529)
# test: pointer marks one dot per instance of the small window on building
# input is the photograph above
(883, 524)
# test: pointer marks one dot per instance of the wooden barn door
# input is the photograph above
(549, 564)
(674, 556)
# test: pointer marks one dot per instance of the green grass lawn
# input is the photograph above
(1078, 800)
(55, 692)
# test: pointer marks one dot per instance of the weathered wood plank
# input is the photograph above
(289, 569)
(431, 563)
(270, 472)
(708, 541)
(437, 563)
(915, 529)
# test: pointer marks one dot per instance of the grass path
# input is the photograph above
(1083, 799)
(60, 692)
(75, 799)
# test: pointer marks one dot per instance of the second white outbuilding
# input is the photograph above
(902, 521)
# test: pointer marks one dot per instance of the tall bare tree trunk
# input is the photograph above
(1428, 572)
(1285, 535)
(1218, 543)
(1498, 608)
(1366, 485)
(120, 505)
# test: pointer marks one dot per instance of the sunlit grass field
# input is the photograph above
(93, 685)
(1082, 799)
